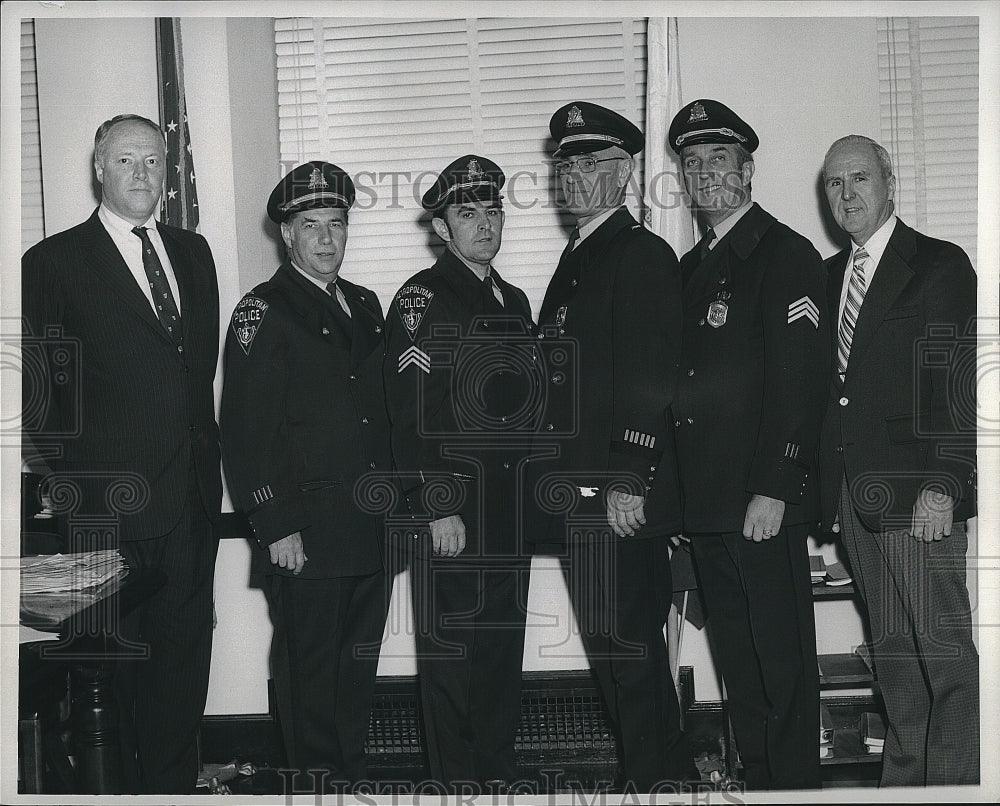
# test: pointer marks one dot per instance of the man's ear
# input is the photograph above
(286, 234)
(441, 228)
(625, 171)
(747, 172)
(99, 171)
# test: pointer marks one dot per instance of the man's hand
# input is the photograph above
(625, 512)
(676, 540)
(448, 536)
(932, 516)
(763, 518)
(288, 553)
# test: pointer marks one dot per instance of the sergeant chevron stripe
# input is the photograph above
(414, 355)
(804, 308)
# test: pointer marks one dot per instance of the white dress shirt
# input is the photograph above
(130, 247)
(875, 247)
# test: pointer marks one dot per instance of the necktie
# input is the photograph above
(490, 285)
(574, 239)
(855, 296)
(706, 243)
(163, 300)
(341, 311)
(334, 291)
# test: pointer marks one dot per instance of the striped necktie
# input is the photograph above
(855, 296)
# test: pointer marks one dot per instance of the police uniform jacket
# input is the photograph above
(304, 426)
(127, 410)
(609, 339)
(461, 387)
(752, 386)
(904, 415)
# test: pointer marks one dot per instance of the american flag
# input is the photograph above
(179, 205)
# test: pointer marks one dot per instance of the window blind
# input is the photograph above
(32, 212)
(394, 101)
(929, 91)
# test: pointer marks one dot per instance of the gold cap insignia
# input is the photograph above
(574, 118)
(316, 180)
(697, 113)
(474, 170)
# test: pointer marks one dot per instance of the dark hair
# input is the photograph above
(105, 129)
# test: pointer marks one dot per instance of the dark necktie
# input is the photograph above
(163, 300)
(491, 291)
(340, 312)
(706, 244)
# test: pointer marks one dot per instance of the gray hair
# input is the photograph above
(884, 160)
(105, 129)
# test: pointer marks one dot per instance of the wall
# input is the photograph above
(795, 102)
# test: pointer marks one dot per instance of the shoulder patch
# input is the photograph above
(412, 302)
(246, 320)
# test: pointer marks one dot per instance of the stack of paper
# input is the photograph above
(54, 573)
(836, 574)
(817, 568)
(872, 731)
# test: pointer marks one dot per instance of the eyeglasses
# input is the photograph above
(585, 165)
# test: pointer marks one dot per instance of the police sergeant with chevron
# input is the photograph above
(747, 413)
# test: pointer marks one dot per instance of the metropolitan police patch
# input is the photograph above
(412, 302)
(246, 319)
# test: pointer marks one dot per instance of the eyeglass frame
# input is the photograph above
(577, 164)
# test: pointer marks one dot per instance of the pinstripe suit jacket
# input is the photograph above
(108, 397)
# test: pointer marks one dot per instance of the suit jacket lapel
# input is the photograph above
(183, 268)
(104, 259)
(836, 269)
(366, 328)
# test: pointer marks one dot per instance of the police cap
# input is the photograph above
(581, 127)
(313, 184)
(708, 121)
(469, 178)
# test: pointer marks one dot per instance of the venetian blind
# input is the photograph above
(32, 213)
(929, 90)
(394, 101)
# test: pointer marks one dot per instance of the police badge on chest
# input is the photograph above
(719, 309)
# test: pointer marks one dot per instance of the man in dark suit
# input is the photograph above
(898, 463)
(126, 311)
(303, 422)
(460, 384)
(747, 416)
(602, 477)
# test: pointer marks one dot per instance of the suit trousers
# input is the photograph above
(469, 618)
(621, 592)
(926, 663)
(324, 660)
(758, 597)
(161, 695)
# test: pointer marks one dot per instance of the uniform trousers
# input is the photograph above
(621, 591)
(161, 695)
(758, 598)
(324, 661)
(925, 661)
(469, 618)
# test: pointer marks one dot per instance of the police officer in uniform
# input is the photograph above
(461, 387)
(303, 419)
(602, 477)
(747, 413)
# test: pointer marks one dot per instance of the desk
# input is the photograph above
(83, 654)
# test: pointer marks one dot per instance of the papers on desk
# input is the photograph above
(28, 635)
(55, 573)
